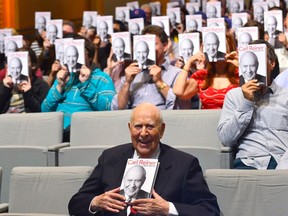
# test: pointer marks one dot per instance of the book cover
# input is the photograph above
(12, 43)
(235, 6)
(41, 18)
(54, 29)
(162, 21)
(192, 8)
(174, 16)
(122, 14)
(59, 48)
(89, 19)
(214, 40)
(139, 178)
(189, 44)
(121, 46)
(193, 22)
(252, 63)
(215, 22)
(136, 26)
(156, 8)
(104, 27)
(133, 5)
(18, 66)
(213, 9)
(246, 34)
(74, 56)
(144, 50)
(273, 22)
(258, 11)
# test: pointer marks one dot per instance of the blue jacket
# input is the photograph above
(95, 94)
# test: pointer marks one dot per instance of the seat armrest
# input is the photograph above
(56, 147)
(4, 207)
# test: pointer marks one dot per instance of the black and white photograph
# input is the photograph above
(258, 10)
(18, 66)
(193, 22)
(162, 21)
(54, 29)
(121, 45)
(215, 22)
(235, 6)
(213, 9)
(238, 21)
(214, 41)
(74, 56)
(246, 35)
(133, 5)
(122, 14)
(104, 27)
(89, 19)
(41, 18)
(174, 16)
(192, 8)
(156, 8)
(250, 67)
(144, 50)
(135, 26)
(12, 43)
(273, 26)
(59, 49)
(189, 45)
(3, 34)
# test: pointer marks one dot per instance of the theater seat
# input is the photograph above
(44, 190)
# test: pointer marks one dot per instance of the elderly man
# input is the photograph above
(15, 67)
(211, 45)
(259, 14)
(141, 53)
(212, 11)
(71, 58)
(244, 39)
(118, 45)
(153, 84)
(254, 120)
(134, 28)
(273, 33)
(248, 67)
(11, 46)
(41, 24)
(88, 21)
(234, 7)
(192, 25)
(185, 193)
(52, 32)
(102, 30)
(186, 49)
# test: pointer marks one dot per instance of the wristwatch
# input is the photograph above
(162, 86)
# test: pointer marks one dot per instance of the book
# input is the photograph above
(104, 27)
(74, 54)
(273, 17)
(258, 11)
(144, 50)
(122, 14)
(174, 16)
(121, 46)
(59, 48)
(215, 22)
(192, 7)
(139, 178)
(12, 43)
(235, 6)
(41, 18)
(18, 66)
(135, 26)
(247, 34)
(252, 63)
(54, 29)
(89, 19)
(162, 21)
(213, 9)
(193, 22)
(189, 44)
(133, 5)
(156, 8)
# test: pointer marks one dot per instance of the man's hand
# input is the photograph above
(232, 58)
(249, 88)
(131, 71)
(156, 206)
(84, 74)
(155, 72)
(109, 201)
(25, 85)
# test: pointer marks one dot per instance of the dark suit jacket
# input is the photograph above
(125, 56)
(179, 180)
(220, 56)
(277, 43)
(78, 67)
(259, 77)
(140, 195)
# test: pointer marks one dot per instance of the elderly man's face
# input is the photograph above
(141, 53)
(134, 29)
(71, 57)
(249, 66)
(118, 48)
(186, 49)
(41, 24)
(212, 12)
(235, 7)
(244, 39)
(133, 181)
(11, 46)
(102, 30)
(146, 130)
(88, 21)
(15, 67)
(259, 15)
(271, 25)
(52, 33)
(211, 45)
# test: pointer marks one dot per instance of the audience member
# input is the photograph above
(186, 192)
(151, 85)
(27, 95)
(254, 120)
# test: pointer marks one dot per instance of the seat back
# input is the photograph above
(45, 190)
(249, 192)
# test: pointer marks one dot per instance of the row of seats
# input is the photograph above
(47, 190)
(35, 139)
